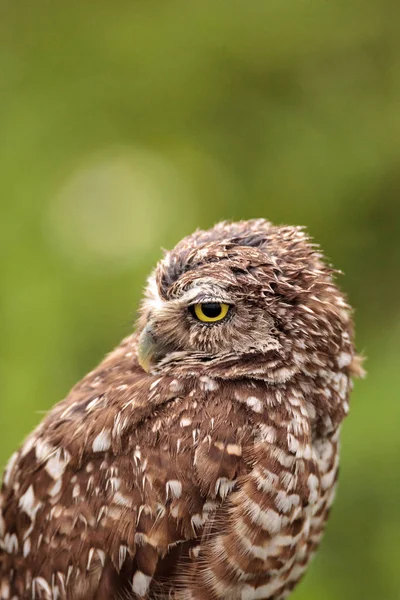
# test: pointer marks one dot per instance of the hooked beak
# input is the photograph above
(149, 350)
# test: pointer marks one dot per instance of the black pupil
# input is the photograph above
(211, 309)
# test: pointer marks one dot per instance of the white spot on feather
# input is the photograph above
(40, 584)
(194, 552)
(255, 404)
(155, 383)
(197, 521)
(340, 382)
(102, 556)
(121, 500)
(283, 374)
(289, 480)
(10, 467)
(61, 580)
(234, 449)
(102, 441)
(207, 384)
(11, 543)
(223, 486)
(328, 479)
(137, 455)
(69, 573)
(56, 488)
(27, 547)
(344, 359)
(209, 507)
(195, 434)
(293, 444)
(92, 404)
(140, 583)
(286, 460)
(27, 447)
(175, 386)
(174, 488)
(267, 519)
(122, 554)
(114, 483)
(5, 590)
(263, 591)
(265, 480)
(313, 486)
(43, 450)
(56, 464)
(285, 502)
(267, 433)
(90, 558)
(29, 503)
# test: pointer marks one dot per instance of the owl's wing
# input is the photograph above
(113, 489)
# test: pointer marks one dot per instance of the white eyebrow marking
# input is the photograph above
(153, 299)
(208, 291)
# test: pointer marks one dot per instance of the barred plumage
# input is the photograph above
(210, 476)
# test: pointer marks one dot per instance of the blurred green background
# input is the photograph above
(126, 125)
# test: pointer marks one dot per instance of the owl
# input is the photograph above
(199, 460)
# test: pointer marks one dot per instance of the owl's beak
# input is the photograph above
(148, 349)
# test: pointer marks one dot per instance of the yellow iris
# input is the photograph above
(210, 312)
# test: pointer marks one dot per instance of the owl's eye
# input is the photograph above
(210, 312)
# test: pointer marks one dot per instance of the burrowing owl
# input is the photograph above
(198, 461)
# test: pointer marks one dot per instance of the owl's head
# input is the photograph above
(245, 299)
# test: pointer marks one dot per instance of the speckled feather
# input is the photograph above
(211, 477)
